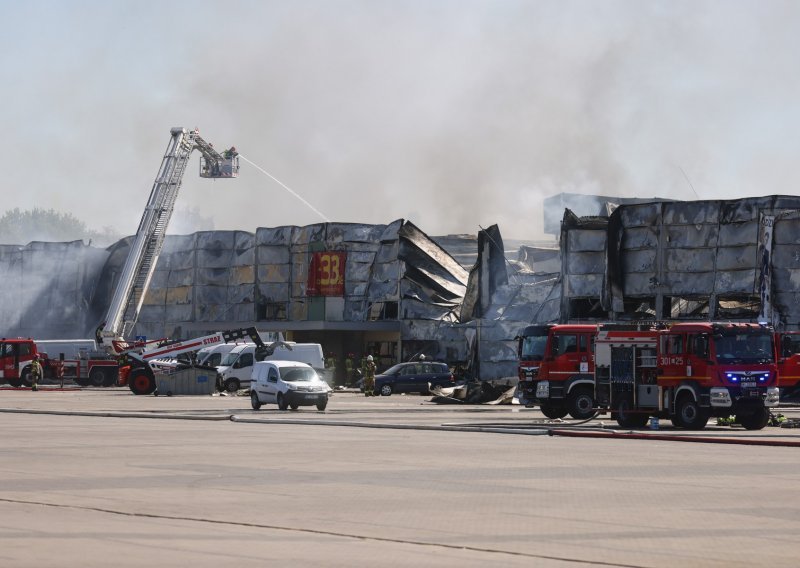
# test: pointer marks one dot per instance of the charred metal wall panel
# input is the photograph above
(699, 260)
(638, 260)
(640, 238)
(689, 213)
(584, 285)
(586, 241)
(580, 263)
(701, 249)
(736, 257)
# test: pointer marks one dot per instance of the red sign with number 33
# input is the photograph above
(326, 274)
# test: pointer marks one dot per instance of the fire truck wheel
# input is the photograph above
(25, 379)
(141, 383)
(626, 418)
(580, 403)
(112, 377)
(97, 377)
(756, 421)
(553, 412)
(689, 415)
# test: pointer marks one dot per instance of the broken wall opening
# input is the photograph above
(586, 308)
(383, 311)
(738, 306)
(685, 307)
(639, 308)
(266, 311)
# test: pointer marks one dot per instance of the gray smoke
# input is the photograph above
(453, 114)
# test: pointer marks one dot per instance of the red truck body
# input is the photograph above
(686, 372)
(17, 354)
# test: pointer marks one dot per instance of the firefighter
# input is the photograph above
(36, 373)
(330, 366)
(348, 366)
(369, 377)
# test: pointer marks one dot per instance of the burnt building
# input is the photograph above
(721, 259)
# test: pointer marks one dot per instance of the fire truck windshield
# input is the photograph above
(532, 347)
(745, 348)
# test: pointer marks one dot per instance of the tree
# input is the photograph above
(21, 227)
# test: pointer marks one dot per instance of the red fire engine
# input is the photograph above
(556, 369)
(16, 356)
(687, 372)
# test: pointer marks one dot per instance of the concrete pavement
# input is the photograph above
(106, 487)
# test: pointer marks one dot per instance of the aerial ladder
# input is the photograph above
(149, 240)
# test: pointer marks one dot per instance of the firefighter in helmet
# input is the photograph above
(330, 366)
(36, 373)
(348, 369)
(369, 376)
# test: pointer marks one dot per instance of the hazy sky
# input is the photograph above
(453, 114)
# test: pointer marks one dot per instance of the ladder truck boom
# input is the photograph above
(149, 240)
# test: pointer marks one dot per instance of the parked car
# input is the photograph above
(289, 384)
(417, 376)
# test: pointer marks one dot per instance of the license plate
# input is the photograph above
(748, 385)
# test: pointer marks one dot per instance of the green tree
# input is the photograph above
(21, 227)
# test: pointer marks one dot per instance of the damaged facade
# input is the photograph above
(392, 291)
(388, 290)
(712, 260)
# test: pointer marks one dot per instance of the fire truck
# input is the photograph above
(686, 372)
(84, 366)
(788, 345)
(556, 369)
(136, 372)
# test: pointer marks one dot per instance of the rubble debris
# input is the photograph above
(475, 392)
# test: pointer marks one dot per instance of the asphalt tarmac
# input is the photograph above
(100, 477)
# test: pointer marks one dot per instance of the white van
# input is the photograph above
(213, 356)
(289, 384)
(236, 367)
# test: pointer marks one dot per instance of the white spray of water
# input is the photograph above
(287, 188)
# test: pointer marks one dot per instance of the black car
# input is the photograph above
(417, 376)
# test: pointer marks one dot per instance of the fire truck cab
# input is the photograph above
(687, 372)
(556, 369)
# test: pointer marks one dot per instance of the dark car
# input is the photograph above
(417, 376)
